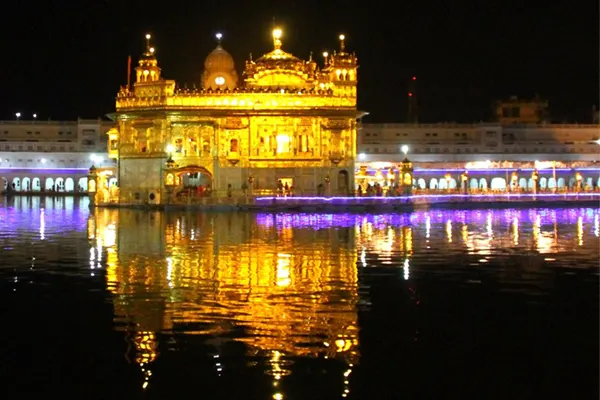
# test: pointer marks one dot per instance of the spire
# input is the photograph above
(219, 36)
(277, 38)
(149, 48)
(342, 43)
(147, 70)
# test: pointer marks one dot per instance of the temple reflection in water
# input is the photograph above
(286, 285)
(292, 292)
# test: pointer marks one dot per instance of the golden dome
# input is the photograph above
(219, 60)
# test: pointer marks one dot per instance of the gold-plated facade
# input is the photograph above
(287, 120)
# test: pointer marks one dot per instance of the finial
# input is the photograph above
(148, 37)
(342, 43)
(250, 57)
(325, 55)
(219, 36)
(310, 56)
(277, 38)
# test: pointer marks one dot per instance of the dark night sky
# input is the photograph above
(64, 61)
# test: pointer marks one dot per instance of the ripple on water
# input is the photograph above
(291, 285)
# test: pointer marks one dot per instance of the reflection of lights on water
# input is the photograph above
(580, 231)
(92, 257)
(283, 270)
(110, 235)
(405, 268)
(427, 227)
(596, 225)
(363, 257)
(99, 249)
(42, 225)
(464, 230)
(489, 228)
(346, 382)
(515, 226)
(449, 231)
(170, 271)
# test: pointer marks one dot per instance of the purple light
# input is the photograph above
(359, 200)
(433, 217)
(46, 170)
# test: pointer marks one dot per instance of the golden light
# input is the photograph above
(277, 32)
(342, 37)
(151, 49)
(325, 54)
(148, 36)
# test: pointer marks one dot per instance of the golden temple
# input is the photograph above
(287, 122)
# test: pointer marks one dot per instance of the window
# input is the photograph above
(303, 143)
(233, 145)
(283, 143)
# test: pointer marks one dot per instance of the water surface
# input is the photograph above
(128, 304)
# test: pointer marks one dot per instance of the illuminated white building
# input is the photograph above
(54, 156)
(489, 150)
(520, 152)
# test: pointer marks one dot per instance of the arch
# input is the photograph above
(572, 182)
(421, 183)
(343, 181)
(36, 184)
(112, 182)
(543, 183)
(433, 184)
(483, 185)
(498, 184)
(26, 184)
(551, 183)
(530, 183)
(442, 184)
(49, 184)
(589, 183)
(59, 184)
(452, 183)
(82, 184)
(16, 184)
(561, 183)
(473, 184)
(193, 177)
(69, 185)
(523, 183)
(3, 183)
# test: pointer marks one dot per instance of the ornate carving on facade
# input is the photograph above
(288, 119)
